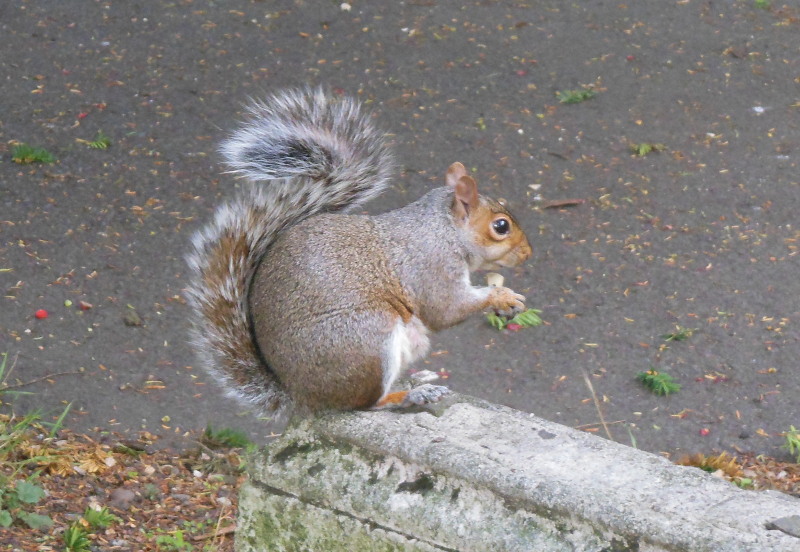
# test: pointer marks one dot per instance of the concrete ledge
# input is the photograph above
(469, 475)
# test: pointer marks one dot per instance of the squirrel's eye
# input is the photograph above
(501, 226)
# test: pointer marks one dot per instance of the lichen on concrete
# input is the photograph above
(483, 477)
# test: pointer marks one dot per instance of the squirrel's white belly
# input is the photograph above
(407, 342)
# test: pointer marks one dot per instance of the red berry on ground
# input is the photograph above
(40, 314)
(705, 431)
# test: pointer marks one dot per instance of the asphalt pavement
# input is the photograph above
(664, 204)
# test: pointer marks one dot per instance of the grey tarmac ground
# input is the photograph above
(702, 233)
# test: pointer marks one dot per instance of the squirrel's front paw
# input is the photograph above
(506, 301)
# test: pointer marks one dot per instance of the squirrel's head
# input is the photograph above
(495, 238)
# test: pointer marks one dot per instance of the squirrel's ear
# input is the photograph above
(465, 199)
(454, 172)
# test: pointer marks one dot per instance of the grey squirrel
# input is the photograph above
(295, 302)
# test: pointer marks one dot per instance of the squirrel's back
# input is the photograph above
(302, 153)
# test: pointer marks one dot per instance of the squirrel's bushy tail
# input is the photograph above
(304, 152)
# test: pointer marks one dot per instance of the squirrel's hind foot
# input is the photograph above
(426, 394)
(418, 396)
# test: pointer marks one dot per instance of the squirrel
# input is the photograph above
(298, 303)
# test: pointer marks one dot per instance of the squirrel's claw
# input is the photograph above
(507, 302)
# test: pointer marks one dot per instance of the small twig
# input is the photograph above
(31, 382)
(597, 404)
(220, 531)
(560, 155)
(583, 426)
(209, 450)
